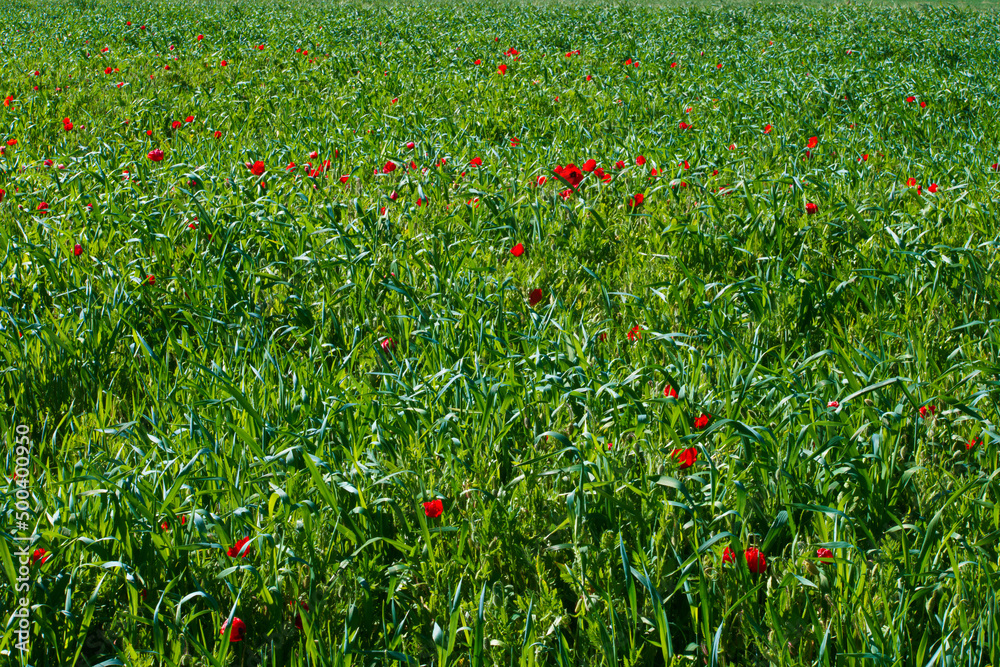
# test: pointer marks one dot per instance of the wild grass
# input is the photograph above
(315, 359)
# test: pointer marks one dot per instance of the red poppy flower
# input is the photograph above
(43, 207)
(7, 100)
(2, 193)
(927, 409)
(755, 560)
(685, 457)
(388, 345)
(911, 182)
(701, 421)
(434, 508)
(40, 556)
(478, 62)
(812, 209)
(217, 134)
(108, 70)
(389, 167)
(223, 64)
(476, 162)
(13, 142)
(189, 119)
(150, 279)
(176, 124)
(238, 631)
(972, 443)
(641, 160)
(728, 556)
(932, 188)
(502, 69)
(534, 296)
(669, 392)
(77, 250)
(824, 553)
(718, 66)
(67, 126)
(257, 168)
(298, 618)
(237, 548)
(812, 142)
(589, 165)
(863, 158)
(156, 155)
(634, 334)
(767, 129)
(911, 98)
(517, 250)
(588, 77)
(684, 126)
(636, 201)
(571, 174)
(833, 404)
(200, 37)
(541, 181)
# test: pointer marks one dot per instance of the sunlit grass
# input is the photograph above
(257, 389)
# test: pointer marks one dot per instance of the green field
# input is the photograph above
(464, 333)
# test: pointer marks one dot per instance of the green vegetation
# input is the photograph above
(277, 292)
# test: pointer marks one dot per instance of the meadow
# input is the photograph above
(512, 333)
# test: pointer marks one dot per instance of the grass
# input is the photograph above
(308, 363)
